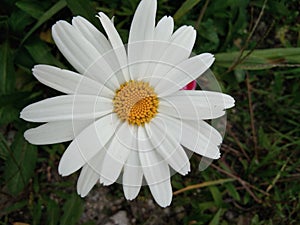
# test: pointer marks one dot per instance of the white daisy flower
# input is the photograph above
(125, 111)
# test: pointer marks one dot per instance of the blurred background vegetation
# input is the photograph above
(257, 49)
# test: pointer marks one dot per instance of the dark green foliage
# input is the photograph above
(257, 48)
(19, 166)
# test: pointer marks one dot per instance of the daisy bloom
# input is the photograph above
(125, 110)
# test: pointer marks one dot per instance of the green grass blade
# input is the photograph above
(217, 217)
(184, 8)
(46, 16)
(72, 210)
(53, 212)
(261, 59)
(7, 80)
(4, 148)
(203, 184)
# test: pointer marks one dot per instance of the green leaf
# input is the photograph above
(20, 165)
(7, 79)
(53, 212)
(184, 8)
(240, 75)
(232, 191)
(33, 8)
(209, 37)
(217, 196)
(85, 9)
(72, 210)
(8, 114)
(41, 53)
(206, 205)
(216, 219)
(37, 213)
(15, 207)
(18, 21)
(11, 105)
(46, 16)
(14, 98)
(261, 59)
(4, 148)
(263, 139)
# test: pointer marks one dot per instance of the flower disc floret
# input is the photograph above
(136, 102)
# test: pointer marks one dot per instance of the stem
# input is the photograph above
(254, 137)
(204, 184)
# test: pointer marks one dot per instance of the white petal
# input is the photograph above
(102, 71)
(83, 56)
(67, 107)
(86, 181)
(162, 34)
(178, 49)
(96, 161)
(184, 36)
(112, 34)
(117, 154)
(162, 192)
(90, 174)
(164, 29)
(92, 34)
(87, 144)
(197, 136)
(69, 82)
(165, 139)
(208, 98)
(185, 108)
(201, 138)
(117, 45)
(140, 38)
(155, 169)
(100, 42)
(143, 22)
(55, 132)
(77, 50)
(183, 74)
(132, 174)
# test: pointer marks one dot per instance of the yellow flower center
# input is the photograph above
(136, 102)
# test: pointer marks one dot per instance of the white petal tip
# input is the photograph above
(76, 18)
(217, 156)
(58, 23)
(29, 136)
(25, 115)
(164, 201)
(185, 170)
(21, 114)
(231, 102)
(164, 205)
(208, 58)
(130, 197)
(36, 67)
(131, 192)
(106, 182)
(63, 171)
(101, 15)
(62, 174)
(82, 195)
(228, 101)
